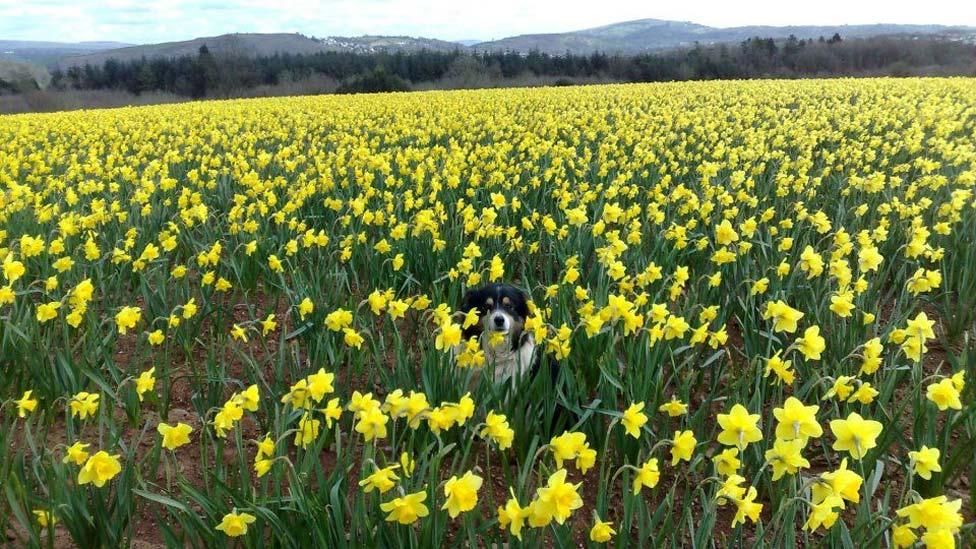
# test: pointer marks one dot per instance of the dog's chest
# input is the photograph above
(509, 362)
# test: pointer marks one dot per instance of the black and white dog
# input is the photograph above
(502, 310)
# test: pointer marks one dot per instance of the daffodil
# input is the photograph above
(925, 461)
(497, 428)
(782, 368)
(449, 336)
(305, 308)
(249, 398)
(332, 412)
(647, 475)
(864, 394)
(338, 319)
(731, 489)
(146, 382)
(942, 538)
(824, 513)
(26, 404)
(352, 338)
(784, 317)
(903, 536)
(739, 427)
(13, 270)
(797, 421)
(512, 516)
(319, 384)
(227, 417)
(567, 446)
(855, 434)
(917, 332)
(841, 482)
(174, 436)
(934, 513)
(841, 304)
(266, 447)
(633, 419)
(786, 458)
(682, 446)
(674, 408)
(45, 518)
(727, 462)
(84, 404)
(558, 498)
(461, 493)
(872, 350)
(127, 318)
(99, 469)
(811, 345)
(76, 453)
(406, 509)
(235, 524)
(307, 432)
(747, 508)
(380, 479)
(944, 395)
(602, 532)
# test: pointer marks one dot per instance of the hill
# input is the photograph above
(255, 45)
(654, 34)
(46, 53)
(629, 37)
(247, 44)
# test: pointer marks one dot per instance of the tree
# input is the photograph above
(206, 73)
(379, 80)
(144, 79)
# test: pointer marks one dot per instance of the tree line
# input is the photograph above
(207, 75)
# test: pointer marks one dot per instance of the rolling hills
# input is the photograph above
(627, 37)
(46, 53)
(655, 34)
(251, 44)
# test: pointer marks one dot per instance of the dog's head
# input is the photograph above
(501, 308)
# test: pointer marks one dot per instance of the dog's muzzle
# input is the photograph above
(499, 322)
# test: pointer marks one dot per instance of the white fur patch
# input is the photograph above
(509, 363)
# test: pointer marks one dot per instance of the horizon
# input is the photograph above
(131, 22)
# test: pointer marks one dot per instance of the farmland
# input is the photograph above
(236, 322)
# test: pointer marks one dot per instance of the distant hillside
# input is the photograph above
(255, 45)
(629, 37)
(655, 34)
(46, 53)
(250, 45)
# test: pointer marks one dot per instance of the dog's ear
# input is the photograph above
(468, 301)
(522, 304)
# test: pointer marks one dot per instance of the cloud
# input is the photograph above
(166, 20)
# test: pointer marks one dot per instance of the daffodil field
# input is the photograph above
(235, 323)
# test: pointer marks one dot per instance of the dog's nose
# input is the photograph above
(499, 321)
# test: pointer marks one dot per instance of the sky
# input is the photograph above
(170, 20)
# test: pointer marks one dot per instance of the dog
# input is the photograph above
(511, 351)
(502, 310)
